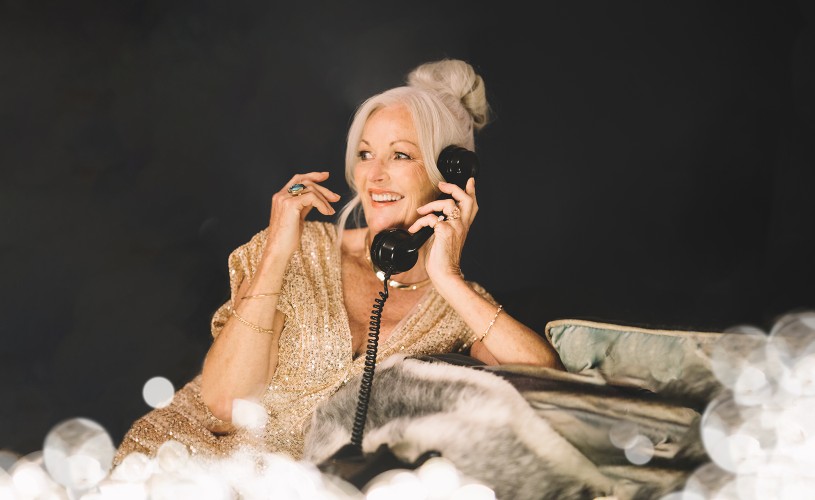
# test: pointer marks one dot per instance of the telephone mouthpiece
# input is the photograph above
(395, 251)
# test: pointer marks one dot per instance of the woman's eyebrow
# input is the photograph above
(392, 142)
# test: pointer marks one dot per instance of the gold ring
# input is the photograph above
(296, 189)
(456, 214)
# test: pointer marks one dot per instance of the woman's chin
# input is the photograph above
(377, 225)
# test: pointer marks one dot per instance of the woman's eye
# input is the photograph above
(364, 155)
(401, 156)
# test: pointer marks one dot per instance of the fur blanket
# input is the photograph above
(476, 419)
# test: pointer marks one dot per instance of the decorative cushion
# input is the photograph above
(671, 363)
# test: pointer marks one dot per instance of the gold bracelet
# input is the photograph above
(253, 326)
(491, 323)
(259, 295)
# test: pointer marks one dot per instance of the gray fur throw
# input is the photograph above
(475, 419)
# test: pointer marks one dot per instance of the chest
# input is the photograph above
(360, 288)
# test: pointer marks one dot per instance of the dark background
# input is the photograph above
(650, 163)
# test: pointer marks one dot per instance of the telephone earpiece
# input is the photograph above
(395, 250)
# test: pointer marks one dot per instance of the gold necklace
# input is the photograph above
(398, 285)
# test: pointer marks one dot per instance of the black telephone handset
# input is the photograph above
(395, 251)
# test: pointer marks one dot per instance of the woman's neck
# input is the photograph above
(358, 244)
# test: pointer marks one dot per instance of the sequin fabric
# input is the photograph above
(315, 356)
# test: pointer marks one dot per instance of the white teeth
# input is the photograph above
(386, 197)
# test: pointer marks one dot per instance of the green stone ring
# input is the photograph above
(296, 189)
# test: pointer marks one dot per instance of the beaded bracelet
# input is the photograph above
(251, 325)
(491, 323)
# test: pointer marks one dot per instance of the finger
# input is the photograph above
(462, 197)
(453, 190)
(471, 191)
(312, 200)
(470, 187)
(312, 177)
(430, 220)
(309, 176)
(308, 200)
(446, 206)
(318, 201)
(324, 191)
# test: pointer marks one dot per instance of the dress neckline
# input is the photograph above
(396, 332)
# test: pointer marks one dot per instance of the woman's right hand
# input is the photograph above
(289, 212)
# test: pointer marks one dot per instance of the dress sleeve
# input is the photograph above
(242, 263)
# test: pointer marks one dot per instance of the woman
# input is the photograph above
(302, 291)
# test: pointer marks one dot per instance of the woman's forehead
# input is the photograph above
(392, 123)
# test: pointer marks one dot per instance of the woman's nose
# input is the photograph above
(378, 171)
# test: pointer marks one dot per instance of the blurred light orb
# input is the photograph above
(77, 453)
(622, 434)
(799, 380)
(158, 392)
(752, 387)
(678, 495)
(793, 336)
(248, 414)
(705, 481)
(473, 491)
(746, 329)
(734, 351)
(121, 490)
(134, 467)
(640, 451)
(395, 484)
(8, 459)
(172, 456)
(30, 480)
(720, 420)
(439, 476)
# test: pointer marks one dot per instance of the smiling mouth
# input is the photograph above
(385, 197)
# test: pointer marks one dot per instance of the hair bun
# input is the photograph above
(456, 79)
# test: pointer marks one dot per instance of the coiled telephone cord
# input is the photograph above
(370, 364)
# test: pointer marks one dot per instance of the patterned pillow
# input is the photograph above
(671, 363)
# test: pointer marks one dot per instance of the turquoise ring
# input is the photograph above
(296, 189)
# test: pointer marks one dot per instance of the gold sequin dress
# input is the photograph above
(315, 353)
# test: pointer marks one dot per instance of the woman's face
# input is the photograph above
(389, 174)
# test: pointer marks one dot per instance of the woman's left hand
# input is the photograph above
(444, 258)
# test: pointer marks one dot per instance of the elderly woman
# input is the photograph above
(301, 291)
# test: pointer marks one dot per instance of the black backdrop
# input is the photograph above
(650, 163)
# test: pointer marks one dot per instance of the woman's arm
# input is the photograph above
(243, 358)
(508, 340)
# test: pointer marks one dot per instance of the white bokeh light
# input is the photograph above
(640, 451)
(734, 351)
(623, 433)
(31, 480)
(249, 414)
(8, 459)
(473, 491)
(440, 477)
(158, 392)
(172, 456)
(77, 453)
